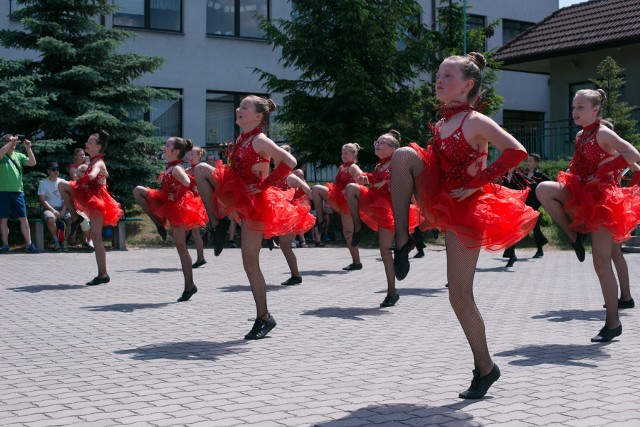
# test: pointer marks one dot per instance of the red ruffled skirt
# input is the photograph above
(305, 221)
(95, 201)
(598, 204)
(376, 210)
(337, 199)
(494, 217)
(269, 212)
(186, 211)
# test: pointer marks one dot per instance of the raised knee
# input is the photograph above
(202, 170)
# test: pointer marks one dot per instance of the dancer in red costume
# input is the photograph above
(588, 198)
(453, 188)
(333, 194)
(193, 157)
(90, 195)
(244, 189)
(175, 204)
(369, 200)
(299, 192)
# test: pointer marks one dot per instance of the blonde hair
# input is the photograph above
(354, 147)
(471, 66)
(595, 97)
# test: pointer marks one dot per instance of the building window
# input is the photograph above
(236, 18)
(166, 116)
(511, 29)
(163, 15)
(477, 22)
(14, 6)
(221, 117)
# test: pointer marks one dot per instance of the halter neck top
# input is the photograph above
(588, 153)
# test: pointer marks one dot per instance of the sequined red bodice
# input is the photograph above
(588, 153)
(174, 188)
(379, 174)
(244, 157)
(455, 155)
(342, 177)
(95, 182)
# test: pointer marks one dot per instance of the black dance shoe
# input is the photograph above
(401, 259)
(292, 281)
(162, 232)
(75, 224)
(355, 240)
(390, 300)
(186, 295)
(480, 386)
(353, 266)
(199, 263)
(218, 234)
(626, 304)
(261, 328)
(606, 335)
(270, 244)
(539, 253)
(99, 281)
(578, 248)
(512, 260)
(420, 254)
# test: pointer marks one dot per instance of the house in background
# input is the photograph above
(212, 46)
(567, 46)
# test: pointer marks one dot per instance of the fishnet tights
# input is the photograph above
(292, 261)
(251, 243)
(461, 268)
(405, 168)
(553, 196)
(203, 173)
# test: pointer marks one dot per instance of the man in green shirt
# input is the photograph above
(12, 201)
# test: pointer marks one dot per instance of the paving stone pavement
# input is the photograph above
(126, 353)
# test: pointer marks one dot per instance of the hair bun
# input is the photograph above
(478, 59)
(104, 136)
(603, 94)
(272, 105)
(395, 134)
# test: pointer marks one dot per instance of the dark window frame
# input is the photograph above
(147, 20)
(521, 26)
(236, 23)
(237, 98)
(147, 114)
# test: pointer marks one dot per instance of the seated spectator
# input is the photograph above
(85, 225)
(54, 208)
(79, 158)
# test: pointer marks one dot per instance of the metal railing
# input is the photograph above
(552, 140)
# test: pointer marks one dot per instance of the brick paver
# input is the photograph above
(127, 354)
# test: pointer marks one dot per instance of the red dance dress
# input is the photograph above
(494, 217)
(175, 203)
(596, 202)
(375, 201)
(300, 200)
(337, 199)
(93, 198)
(269, 211)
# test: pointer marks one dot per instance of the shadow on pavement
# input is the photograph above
(568, 315)
(346, 313)
(41, 288)
(247, 288)
(418, 292)
(406, 414)
(558, 354)
(126, 308)
(187, 350)
(322, 273)
(153, 270)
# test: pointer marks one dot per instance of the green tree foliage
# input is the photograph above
(77, 83)
(360, 65)
(620, 112)
(357, 61)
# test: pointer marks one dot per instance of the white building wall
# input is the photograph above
(197, 63)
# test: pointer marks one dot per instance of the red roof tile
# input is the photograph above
(593, 24)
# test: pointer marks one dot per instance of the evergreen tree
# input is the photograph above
(357, 61)
(613, 108)
(360, 64)
(87, 86)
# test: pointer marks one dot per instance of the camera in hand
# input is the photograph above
(20, 137)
